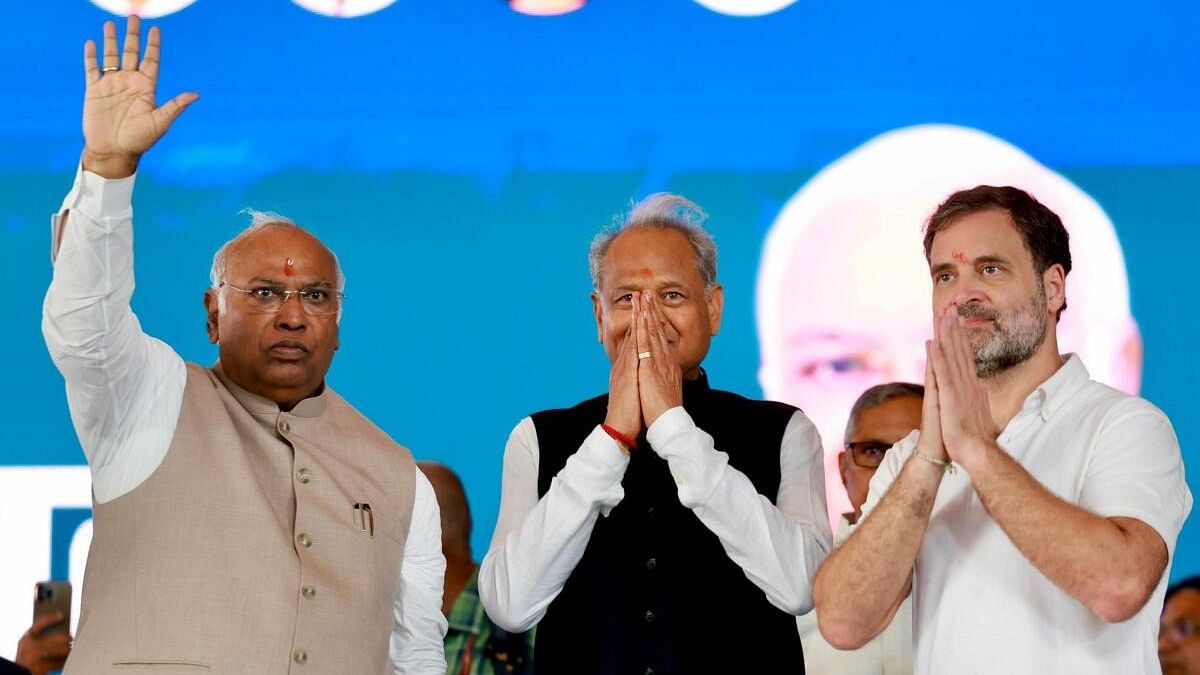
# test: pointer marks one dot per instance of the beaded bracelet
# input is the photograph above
(946, 465)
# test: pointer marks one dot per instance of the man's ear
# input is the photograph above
(1054, 280)
(716, 306)
(842, 460)
(211, 307)
(598, 310)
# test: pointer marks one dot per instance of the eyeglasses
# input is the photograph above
(1179, 631)
(868, 454)
(269, 299)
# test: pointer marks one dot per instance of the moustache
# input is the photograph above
(978, 312)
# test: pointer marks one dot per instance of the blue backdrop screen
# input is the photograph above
(459, 157)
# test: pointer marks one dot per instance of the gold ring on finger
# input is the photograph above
(643, 355)
(110, 69)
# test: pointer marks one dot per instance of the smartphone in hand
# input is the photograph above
(50, 597)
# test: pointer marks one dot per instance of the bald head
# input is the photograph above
(264, 231)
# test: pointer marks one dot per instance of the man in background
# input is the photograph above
(882, 416)
(1179, 632)
(474, 645)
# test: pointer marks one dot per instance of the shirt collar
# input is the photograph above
(1059, 387)
(695, 388)
(844, 529)
(254, 404)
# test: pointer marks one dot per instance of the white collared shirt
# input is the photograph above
(978, 605)
(538, 542)
(125, 389)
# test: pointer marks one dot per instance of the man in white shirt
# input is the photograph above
(247, 519)
(667, 527)
(1034, 514)
(880, 417)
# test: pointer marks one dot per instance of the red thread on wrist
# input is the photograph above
(619, 437)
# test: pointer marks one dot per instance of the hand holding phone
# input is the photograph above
(45, 646)
(52, 597)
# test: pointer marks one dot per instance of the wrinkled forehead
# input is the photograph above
(988, 232)
(648, 254)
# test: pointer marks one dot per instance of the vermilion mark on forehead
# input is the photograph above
(289, 268)
(960, 257)
(646, 272)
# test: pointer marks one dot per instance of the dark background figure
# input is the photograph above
(880, 418)
(474, 645)
(1178, 639)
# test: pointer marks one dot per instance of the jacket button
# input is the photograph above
(304, 476)
(651, 563)
(649, 616)
(308, 591)
(283, 426)
(304, 540)
(300, 656)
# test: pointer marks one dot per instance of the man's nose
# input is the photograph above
(666, 326)
(968, 291)
(292, 315)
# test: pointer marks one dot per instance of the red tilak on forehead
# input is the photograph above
(289, 268)
(646, 272)
(960, 257)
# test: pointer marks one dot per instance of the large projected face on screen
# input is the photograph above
(844, 297)
(746, 7)
(344, 9)
(147, 9)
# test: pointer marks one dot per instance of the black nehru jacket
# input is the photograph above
(654, 593)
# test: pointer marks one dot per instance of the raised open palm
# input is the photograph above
(120, 118)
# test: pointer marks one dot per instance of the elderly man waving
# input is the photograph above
(247, 518)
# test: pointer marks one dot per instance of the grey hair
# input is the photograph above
(261, 221)
(664, 211)
(878, 395)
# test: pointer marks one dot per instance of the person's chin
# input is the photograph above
(287, 372)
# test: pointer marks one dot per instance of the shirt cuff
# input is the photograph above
(670, 424)
(695, 463)
(100, 197)
(596, 470)
(103, 200)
